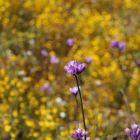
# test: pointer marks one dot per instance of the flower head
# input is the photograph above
(46, 87)
(114, 43)
(54, 60)
(44, 52)
(73, 90)
(134, 132)
(79, 134)
(70, 42)
(74, 67)
(121, 45)
(88, 59)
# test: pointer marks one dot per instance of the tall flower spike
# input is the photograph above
(74, 67)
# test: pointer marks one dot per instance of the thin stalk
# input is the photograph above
(124, 91)
(126, 101)
(76, 109)
(81, 102)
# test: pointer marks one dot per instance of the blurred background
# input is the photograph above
(38, 38)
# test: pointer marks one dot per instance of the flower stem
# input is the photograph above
(81, 101)
(76, 109)
(126, 101)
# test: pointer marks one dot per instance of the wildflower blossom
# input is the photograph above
(44, 52)
(121, 45)
(114, 43)
(70, 42)
(88, 59)
(73, 90)
(79, 134)
(54, 60)
(46, 87)
(74, 67)
(28, 53)
(134, 132)
(62, 114)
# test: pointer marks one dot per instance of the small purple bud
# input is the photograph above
(46, 87)
(70, 42)
(88, 59)
(114, 43)
(121, 45)
(73, 90)
(44, 53)
(54, 60)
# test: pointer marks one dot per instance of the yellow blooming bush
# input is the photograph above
(35, 103)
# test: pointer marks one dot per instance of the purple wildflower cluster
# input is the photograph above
(134, 132)
(79, 134)
(119, 45)
(74, 67)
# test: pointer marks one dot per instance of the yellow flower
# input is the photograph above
(132, 106)
(7, 128)
(30, 123)
(15, 113)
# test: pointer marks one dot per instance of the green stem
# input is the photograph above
(81, 101)
(76, 109)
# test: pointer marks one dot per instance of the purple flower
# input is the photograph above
(74, 67)
(134, 132)
(88, 59)
(44, 52)
(54, 60)
(74, 90)
(79, 134)
(121, 45)
(70, 42)
(114, 43)
(138, 63)
(46, 87)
